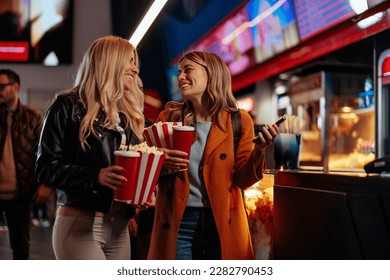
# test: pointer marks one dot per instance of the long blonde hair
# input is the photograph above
(100, 85)
(218, 96)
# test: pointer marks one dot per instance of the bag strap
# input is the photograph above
(237, 127)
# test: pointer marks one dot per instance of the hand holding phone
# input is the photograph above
(278, 123)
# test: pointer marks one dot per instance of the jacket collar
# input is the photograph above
(18, 111)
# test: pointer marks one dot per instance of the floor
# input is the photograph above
(41, 248)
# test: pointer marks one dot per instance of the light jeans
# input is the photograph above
(91, 238)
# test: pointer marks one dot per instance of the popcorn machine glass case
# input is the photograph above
(337, 117)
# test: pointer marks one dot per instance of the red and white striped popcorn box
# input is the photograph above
(151, 162)
(150, 167)
(160, 134)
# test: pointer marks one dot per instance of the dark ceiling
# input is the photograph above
(151, 49)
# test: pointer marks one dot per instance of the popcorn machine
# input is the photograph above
(338, 131)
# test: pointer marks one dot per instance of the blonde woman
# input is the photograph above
(200, 213)
(82, 128)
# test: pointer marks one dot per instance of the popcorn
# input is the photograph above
(151, 161)
(259, 205)
(145, 148)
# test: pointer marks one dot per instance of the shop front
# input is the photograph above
(328, 208)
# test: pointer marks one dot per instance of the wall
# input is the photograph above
(92, 19)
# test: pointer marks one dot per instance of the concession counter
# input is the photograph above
(331, 215)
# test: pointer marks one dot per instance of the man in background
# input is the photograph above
(19, 133)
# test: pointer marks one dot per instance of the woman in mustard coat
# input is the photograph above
(200, 212)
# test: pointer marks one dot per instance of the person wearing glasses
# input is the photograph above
(199, 213)
(82, 128)
(19, 134)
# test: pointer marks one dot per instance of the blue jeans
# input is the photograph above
(198, 237)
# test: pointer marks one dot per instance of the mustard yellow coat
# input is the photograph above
(223, 185)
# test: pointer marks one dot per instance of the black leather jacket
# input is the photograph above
(64, 165)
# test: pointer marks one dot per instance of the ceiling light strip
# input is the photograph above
(147, 21)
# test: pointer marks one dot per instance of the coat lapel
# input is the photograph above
(216, 136)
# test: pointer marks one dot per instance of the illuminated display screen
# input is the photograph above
(252, 34)
(315, 16)
(373, 3)
(36, 31)
(273, 27)
(232, 41)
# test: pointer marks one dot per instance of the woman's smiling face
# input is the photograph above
(131, 72)
(192, 79)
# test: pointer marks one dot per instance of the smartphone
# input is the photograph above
(278, 123)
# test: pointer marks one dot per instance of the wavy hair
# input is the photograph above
(218, 96)
(100, 85)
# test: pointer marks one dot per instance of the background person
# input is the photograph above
(40, 217)
(83, 127)
(19, 133)
(200, 213)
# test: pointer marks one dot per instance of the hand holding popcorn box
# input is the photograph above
(148, 169)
